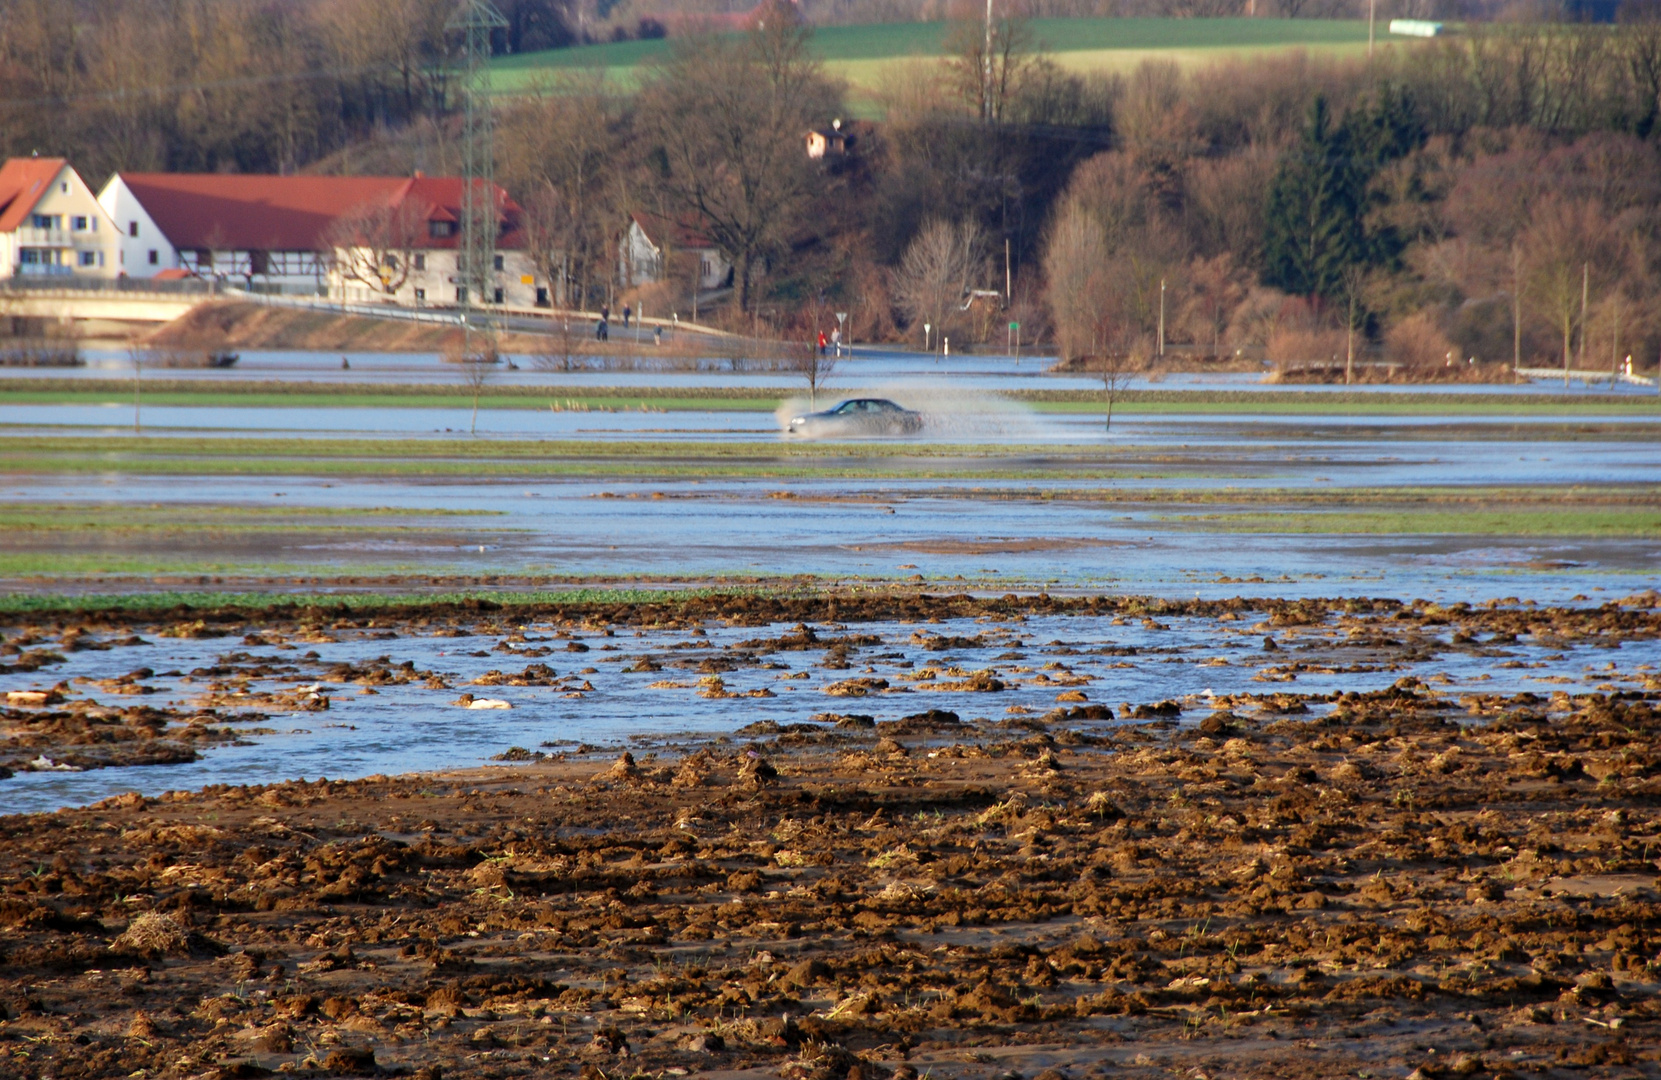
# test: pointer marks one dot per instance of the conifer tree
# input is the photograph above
(1316, 225)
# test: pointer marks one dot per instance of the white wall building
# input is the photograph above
(652, 242)
(51, 224)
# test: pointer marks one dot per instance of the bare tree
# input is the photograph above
(937, 271)
(728, 116)
(374, 244)
(803, 356)
(1215, 290)
(562, 151)
(1088, 300)
(1355, 278)
(478, 363)
(990, 79)
(1116, 365)
(1570, 248)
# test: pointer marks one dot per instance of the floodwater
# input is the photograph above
(868, 367)
(986, 517)
(405, 728)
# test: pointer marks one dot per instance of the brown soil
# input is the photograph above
(229, 324)
(1371, 375)
(1409, 883)
(238, 325)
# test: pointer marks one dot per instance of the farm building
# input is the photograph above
(364, 239)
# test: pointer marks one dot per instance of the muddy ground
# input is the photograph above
(1369, 884)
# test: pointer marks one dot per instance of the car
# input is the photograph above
(857, 417)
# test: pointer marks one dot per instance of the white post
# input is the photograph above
(1371, 6)
(1162, 318)
(986, 80)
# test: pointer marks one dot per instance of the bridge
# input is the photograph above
(132, 300)
(80, 304)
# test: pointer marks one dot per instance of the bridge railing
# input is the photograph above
(29, 283)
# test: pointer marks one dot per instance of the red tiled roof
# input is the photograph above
(288, 213)
(22, 182)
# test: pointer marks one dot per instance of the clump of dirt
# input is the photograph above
(1333, 891)
(1285, 883)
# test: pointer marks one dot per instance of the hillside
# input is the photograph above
(858, 53)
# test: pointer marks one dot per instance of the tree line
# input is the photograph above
(1494, 195)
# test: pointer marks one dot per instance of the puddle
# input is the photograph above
(656, 685)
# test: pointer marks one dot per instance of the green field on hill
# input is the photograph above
(858, 53)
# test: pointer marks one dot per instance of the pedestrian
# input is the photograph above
(600, 330)
(821, 343)
(627, 311)
(836, 341)
(605, 312)
(657, 336)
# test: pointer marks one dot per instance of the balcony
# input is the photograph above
(28, 236)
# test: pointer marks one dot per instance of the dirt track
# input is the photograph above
(1410, 883)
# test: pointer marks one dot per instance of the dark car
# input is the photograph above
(857, 417)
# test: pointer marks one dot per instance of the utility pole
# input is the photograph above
(1516, 310)
(1162, 318)
(1008, 278)
(1371, 6)
(480, 222)
(986, 72)
(1585, 299)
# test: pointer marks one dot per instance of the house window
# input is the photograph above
(64, 187)
(498, 261)
(389, 261)
(499, 296)
(438, 230)
(89, 258)
(542, 298)
(461, 294)
(259, 262)
(78, 223)
(154, 257)
(44, 221)
(30, 257)
(420, 296)
(420, 262)
(132, 228)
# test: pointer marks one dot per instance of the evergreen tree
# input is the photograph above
(1316, 218)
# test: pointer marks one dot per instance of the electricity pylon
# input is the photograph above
(480, 216)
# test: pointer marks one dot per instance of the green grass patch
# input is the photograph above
(389, 601)
(245, 393)
(855, 52)
(1508, 521)
(128, 517)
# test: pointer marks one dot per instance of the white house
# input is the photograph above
(386, 239)
(653, 240)
(51, 223)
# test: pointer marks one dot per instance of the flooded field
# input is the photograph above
(229, 703)
(1266, 734)
(857, 834)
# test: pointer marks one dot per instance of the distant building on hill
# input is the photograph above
(828, 142)
(51, 224)
(358, 238)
